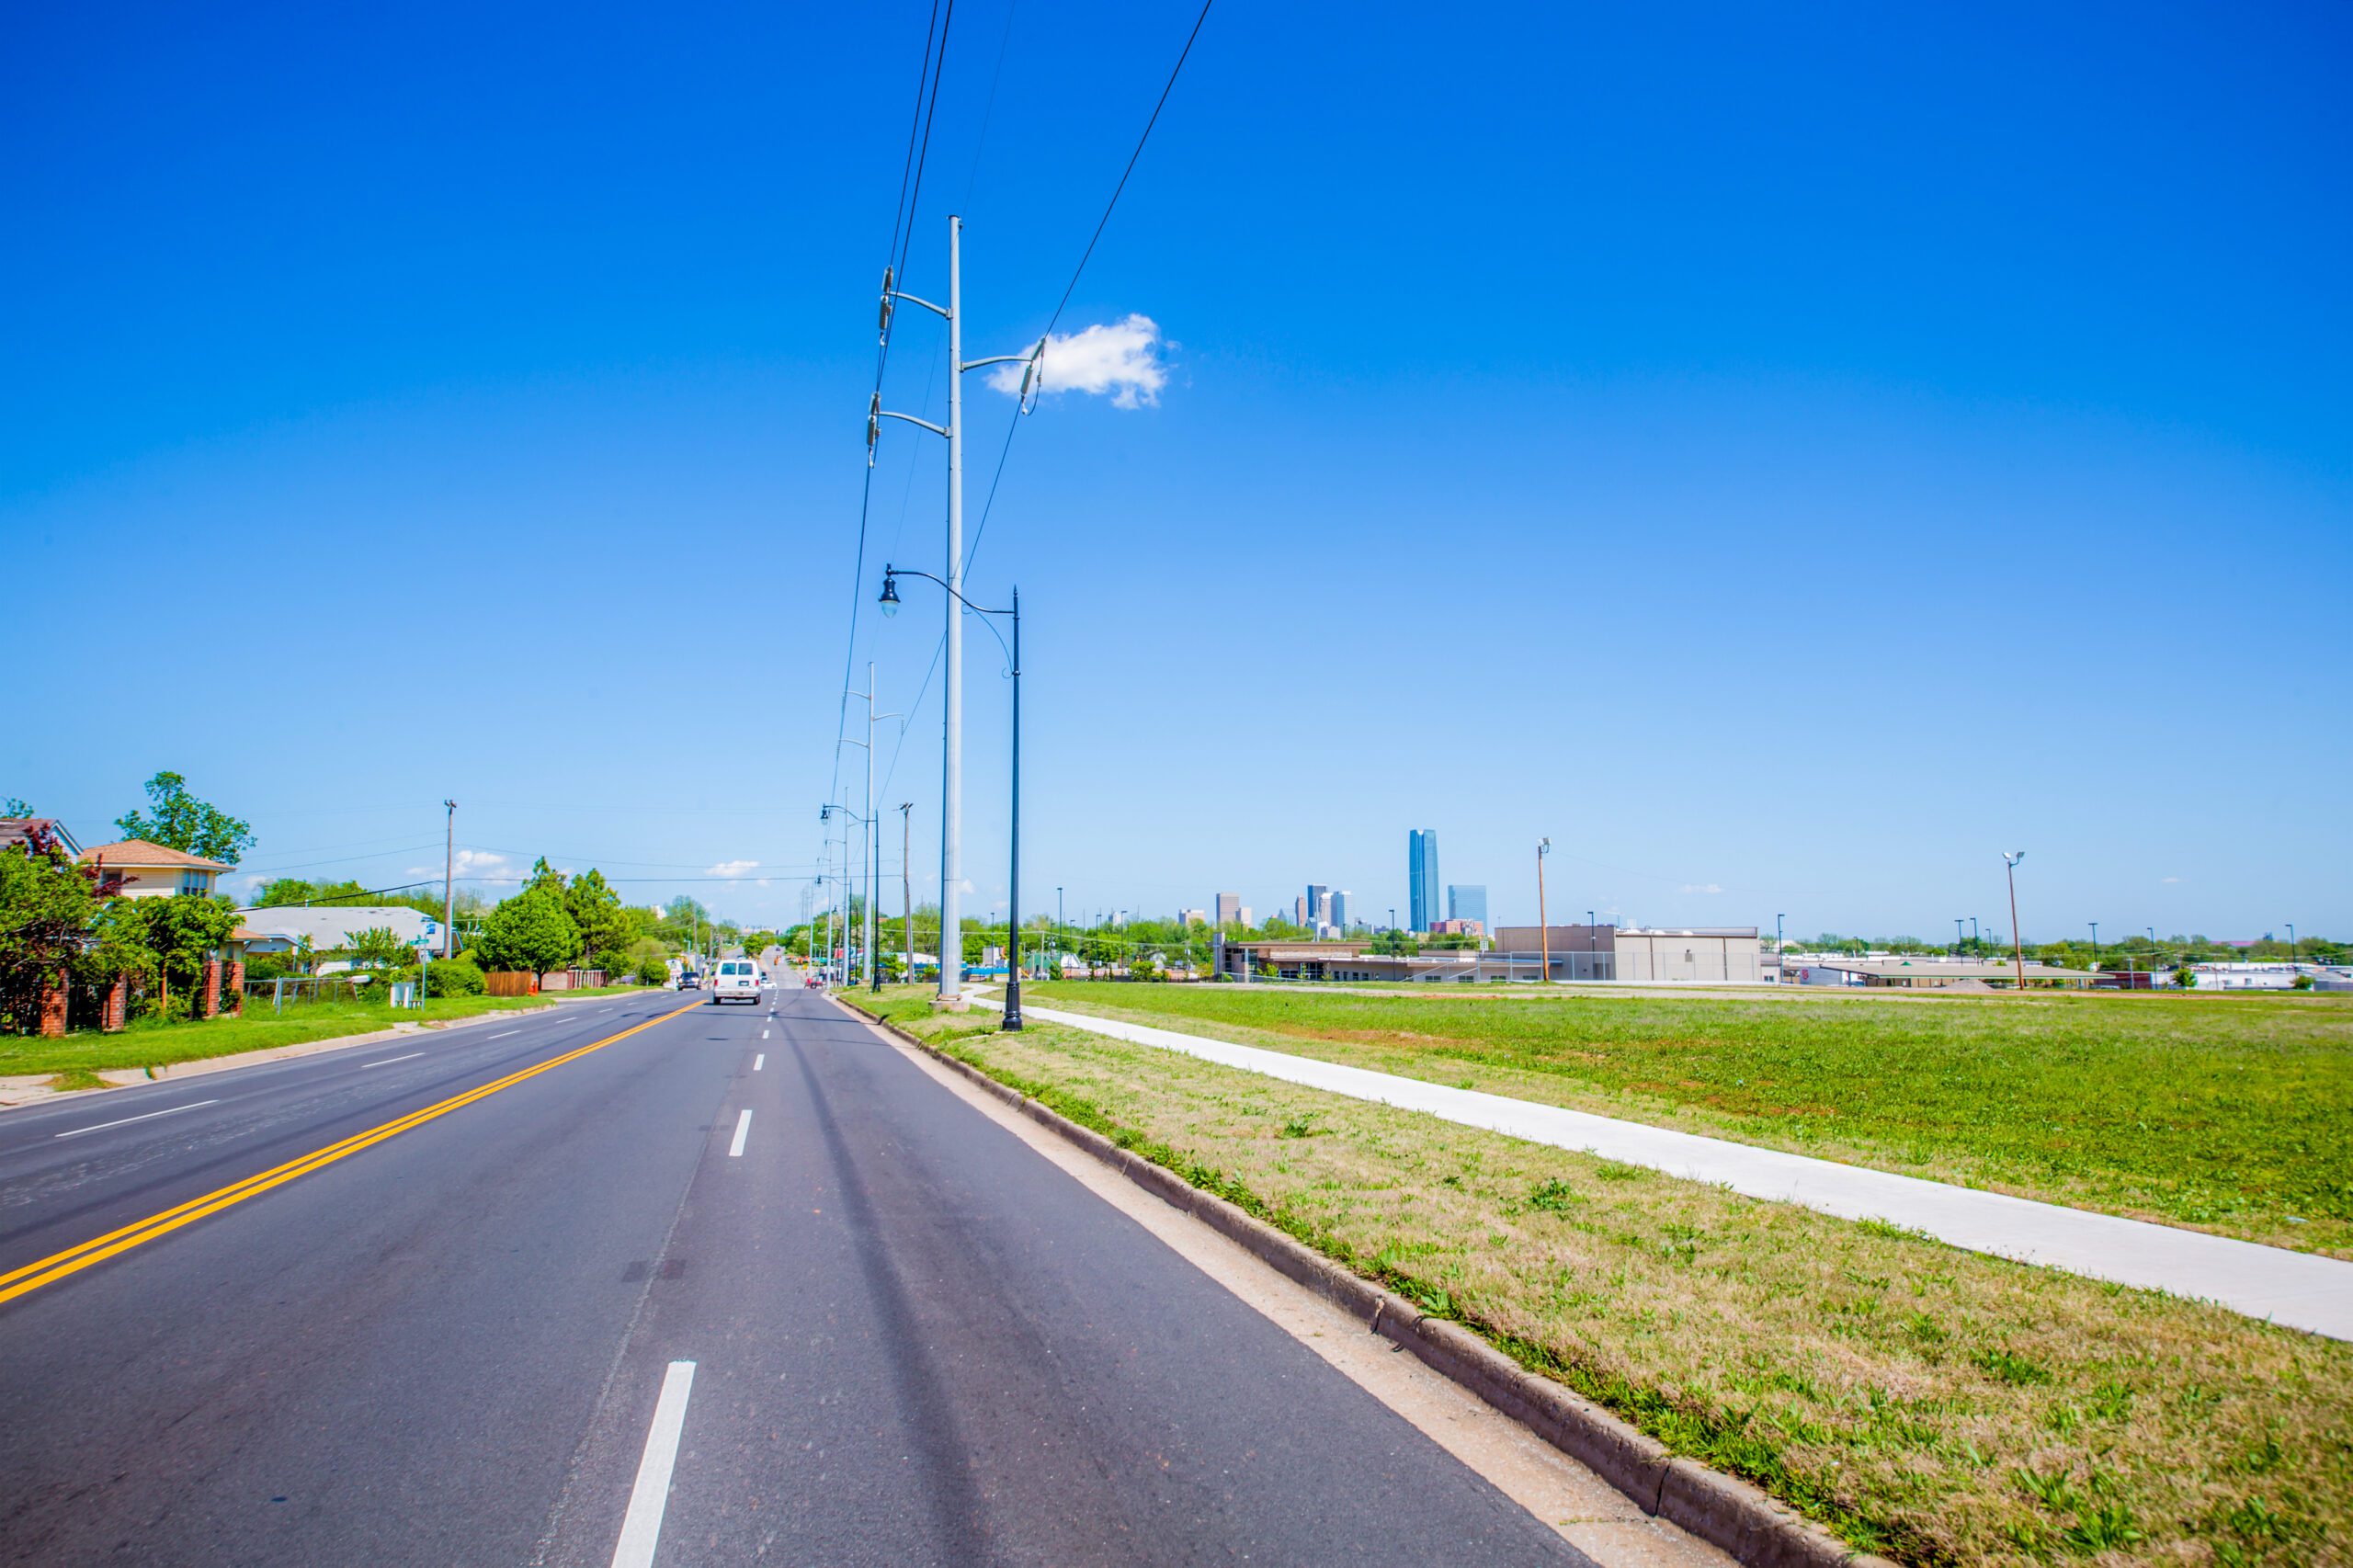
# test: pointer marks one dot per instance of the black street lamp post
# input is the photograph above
(890, 602)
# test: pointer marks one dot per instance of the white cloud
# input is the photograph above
(475, 865)
(1701, 887)
(2168, 881)
(733, 869)
(1121, 358)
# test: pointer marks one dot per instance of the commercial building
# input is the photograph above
(1577, 952)
(1192, 918)
(1340, 907)
(1928, 972)
(1464, 903)
(1421, 877)
(1319, 904)
(1726, 955)
(2252, 976)
(1229, 908)
(1457, 928)
(1248, 918)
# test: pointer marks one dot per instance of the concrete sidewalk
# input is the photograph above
(2295, 1290)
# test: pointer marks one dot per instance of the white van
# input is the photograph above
(736, 980)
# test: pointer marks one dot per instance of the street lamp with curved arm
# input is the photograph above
(890, 603)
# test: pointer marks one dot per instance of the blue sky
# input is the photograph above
(1785, 460)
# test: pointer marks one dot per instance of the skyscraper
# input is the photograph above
(1319, 906)
(1467, 903)
(1299, 914)
(1421, 877)
(1229, 908)
(1340, 911)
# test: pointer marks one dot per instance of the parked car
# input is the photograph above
(689, 980)
(737, 980)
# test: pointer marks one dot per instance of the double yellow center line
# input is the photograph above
(72, 1260)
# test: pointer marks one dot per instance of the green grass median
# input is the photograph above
(1932, 1404)
(2233, 1115)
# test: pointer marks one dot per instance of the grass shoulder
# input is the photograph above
(1932, 1404)
(76, 1060)
(2235, 1117)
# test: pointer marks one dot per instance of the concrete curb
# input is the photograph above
(1721, 1509)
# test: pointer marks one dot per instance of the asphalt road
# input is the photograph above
(857, 1320)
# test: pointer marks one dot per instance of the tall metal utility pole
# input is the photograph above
(906, 891)
(448, 888)
(951, 758)
(826, 884)
(870, 836)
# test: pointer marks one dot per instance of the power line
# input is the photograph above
(1013, 423)
(901, 235)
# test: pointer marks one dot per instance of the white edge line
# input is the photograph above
(388, 1060)
(743, 1130)
(642, 1527)
(759, 1062)
(151, 1116)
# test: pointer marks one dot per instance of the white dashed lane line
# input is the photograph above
(642, 1527)
(198, 1105)
(759, 1062)
(743, 1130)
(388, 1060)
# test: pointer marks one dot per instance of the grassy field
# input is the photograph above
(78, 1057)
(1937, 1405)
(2230, 1114)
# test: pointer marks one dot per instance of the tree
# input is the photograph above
(47, 910)
(607, 928)
(545, 877)
(530, 931)
(294, 890)
(180, 933)
(184, 823)
(378, 948)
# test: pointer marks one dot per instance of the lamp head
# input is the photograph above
(890, 599)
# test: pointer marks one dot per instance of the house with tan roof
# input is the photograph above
(149, 870)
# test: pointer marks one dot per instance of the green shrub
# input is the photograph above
(652, 971)
(460, 976)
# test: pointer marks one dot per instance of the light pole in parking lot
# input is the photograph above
(1543, 932)
(2010, 858)
(890, 603)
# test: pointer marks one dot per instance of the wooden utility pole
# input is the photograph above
(448, 888)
